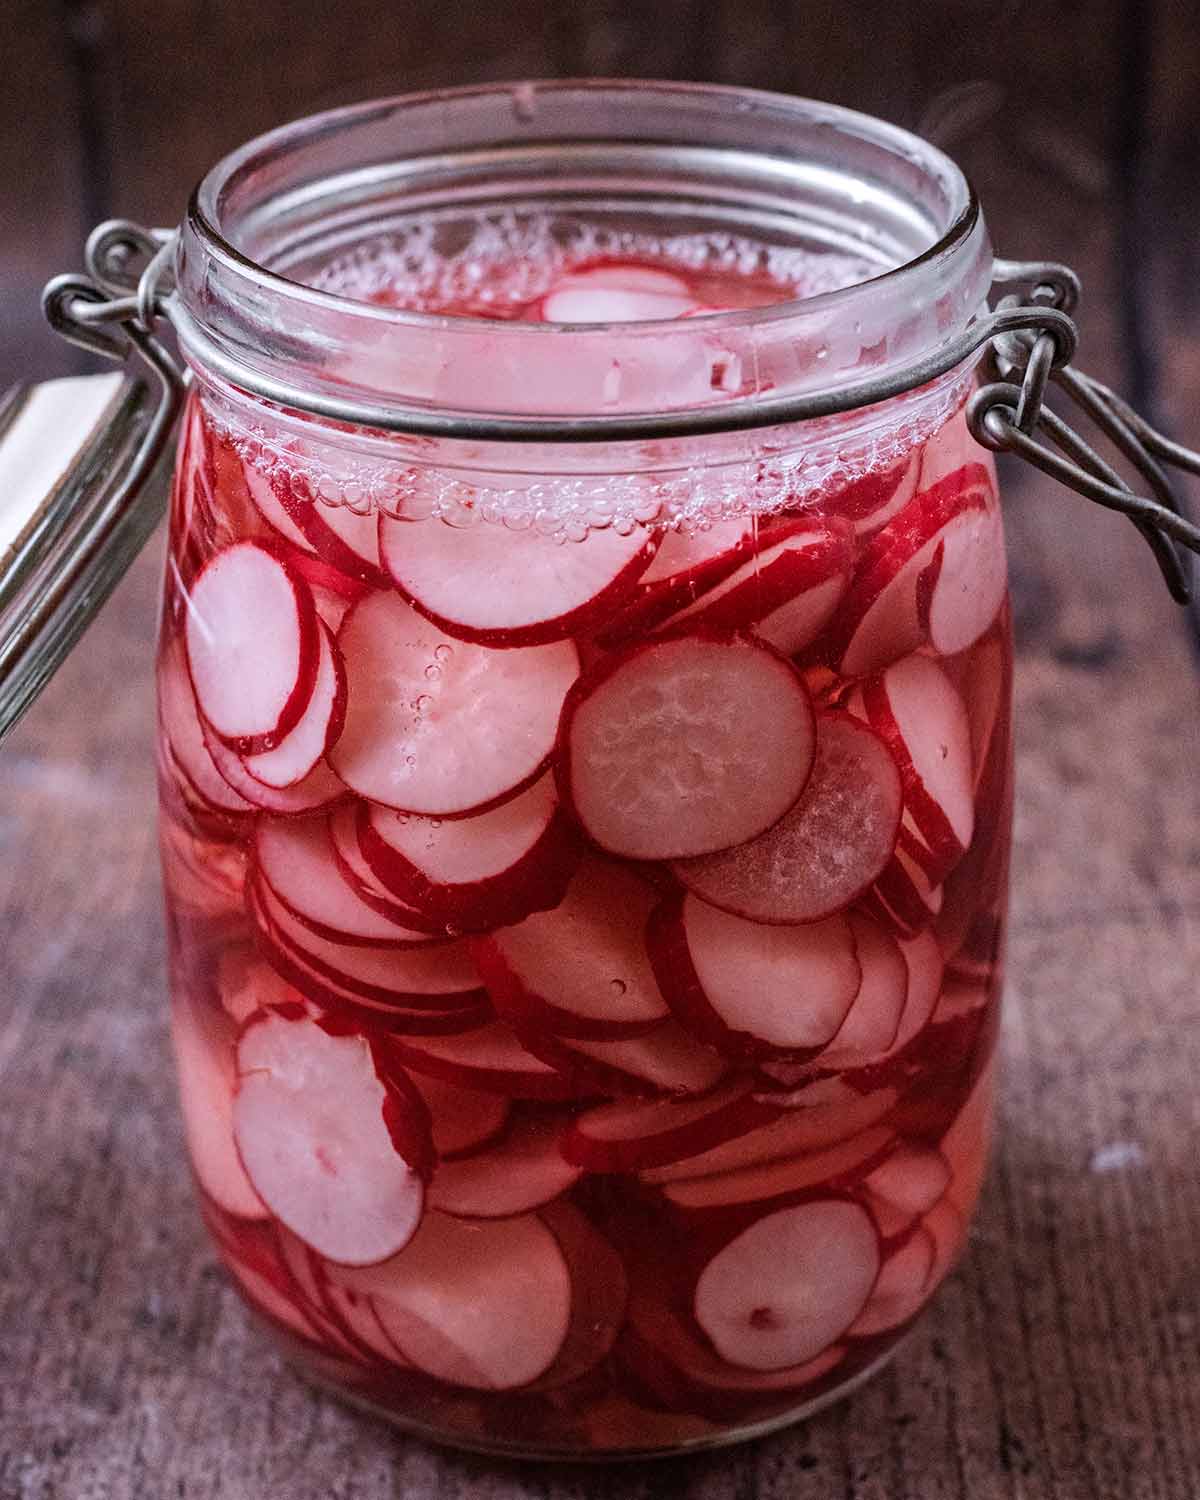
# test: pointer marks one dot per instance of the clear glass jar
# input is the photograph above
(585, 854)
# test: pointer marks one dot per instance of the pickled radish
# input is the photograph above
(789, 1286)
(664, 1060)
(871, 502)
(524, 1169)
(599, 1294)
(362, 880)
(631, 1134)
(489, 1057)
(616, 293)
(462, 1120)
(496, 587)
(436, 726)
(901, 1289)
(341, 537)
(911, 1180)
(827, 849)
(837, 1166)
(299, 752)
(686, 745)
(687, 564)
(337, 1155)
(873, 1021)
(319, 789)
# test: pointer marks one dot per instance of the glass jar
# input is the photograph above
(585, 745)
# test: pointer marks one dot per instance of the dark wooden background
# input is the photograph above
(1063, 1361)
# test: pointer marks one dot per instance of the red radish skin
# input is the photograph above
(822, 854)
(318, 790)
(495, 587)
(252, 640)
(339, 1156)
(871, 502)
(343, 539)
(437, 726)
(475, 873)
(581, 969)
(358, 875)
(299, 753)
(267, 1297)
(631, 1135)
(525, 1169)
(685, 745)
(489, 1058)
(903, 898)
(686, 565)
(753, 991)
(873, 1022)
(790, 1286)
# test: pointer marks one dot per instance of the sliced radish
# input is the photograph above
(475, 873)
(785, 591)
(795, 1132)
(965, 1145)
(262, 494)
(362, 880)
(463, 1120)
(496, 587)
(936, 572)
(338, 1155)
(685, 745)
(629, 1135)
(616, 294)
(903, 898)
(599, 1294)
(873, 1021)
(789, 1286)
(299, 1263)
(485, 1305)
(917, 710)
(523, 1170)
(822, 854)
(204, 1061)
(343, 538)
(902, 1287)
(871, 502)
(354, 1310)
(436, 726)
(911, 1181)
(319, 789)
(298, 753)
(581, 969)
(253, 646)
(185, 735)
(925, 970)
(246, 984)
(754, 991)
(666, 1060)
(834, 1168)
(490, 1058)
(686, 564)
(265, 1295)
(297, 861)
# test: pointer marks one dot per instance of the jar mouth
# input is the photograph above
(788, 172)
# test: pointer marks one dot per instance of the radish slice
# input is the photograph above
(916, 709)
(685, 745)
(358, 875)
(270, 507)
(789, 1286)
(319, 789)
(582, 969)
(298, 753)
(496, 587)
(354, 1310)
(186, 737)
(599, 1294)
(823, 853)
(872, 501)
(341, 537)
(936, 572)
(204, 1063)
(616, 294)
(246, 984)
(522, 1171)
(902, 1287)
(297, 861)
(795, 1132)
(903, 898)
(298, 1261)
(925, 970)
(685, 566)
(253, 645)
(474, 873)
(463, 1120)
(632, 1134)
(485, 1305)
(266, 1296)
(439, 727)
(836, 1167)
(490, 1058)
(911, 1180)
(873, 1021)
(337, 1155)
(785, 591)
(667, 1060)
(754, 991)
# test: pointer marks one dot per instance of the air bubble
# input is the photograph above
(618, 987)
(443, 652)
(432, 672)
(423, 703)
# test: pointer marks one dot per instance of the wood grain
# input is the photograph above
(1062, 1361)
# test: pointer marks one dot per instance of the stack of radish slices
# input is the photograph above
(564, 928)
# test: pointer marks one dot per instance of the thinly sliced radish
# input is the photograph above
(354, 1310)
(181, 724)
(204, 1061)
(935, 572)
(262, 494)
(834, 1168)
(477, 873)
(871, 502)
(490, 1058)
(319, 789)
(496, 587)
(485, 1305)
(581, 969)
(616, 294)
(685, 745)
(463, 1120)
(265, 1295)
(437, 726)
(823, 853)
(253, 643)
(299, 1263)
(910, 1181)
(785, 591)
(523, 1170)
(903, 897)
(902, 1287)
(666, 1060)
(599, 1294)
(202, 878)
(342, 538)
(338, 1155)
(917, 710)
(297, 861)
(298, 753)
(873, 1021)
(925, 969)
(749, 990)
(789, 1286)
(687, 564)
(246, 984)
(362, 880)
(965, 1145)
(798, 1131)
(629, 1135)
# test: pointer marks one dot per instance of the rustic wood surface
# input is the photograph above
(1062, 1361)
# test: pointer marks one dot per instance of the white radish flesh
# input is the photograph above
(523, 1170)
(299, 752)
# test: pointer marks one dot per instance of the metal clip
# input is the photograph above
(1007, 414)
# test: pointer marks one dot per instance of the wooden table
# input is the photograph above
(1061, 1362)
